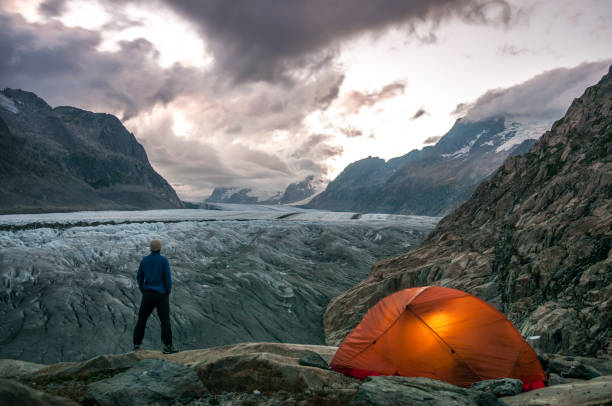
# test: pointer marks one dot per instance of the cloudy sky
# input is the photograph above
(262, 93)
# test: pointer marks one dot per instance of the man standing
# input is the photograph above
(155, 283)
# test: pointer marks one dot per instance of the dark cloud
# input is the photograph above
(543, 97)
(267, 39)
(52, 8)
(432, 140)
(419, 113)
(63, 66)
(354, 100)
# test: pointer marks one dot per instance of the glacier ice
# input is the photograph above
(68, 288)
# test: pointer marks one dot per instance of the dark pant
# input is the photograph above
(153, 300)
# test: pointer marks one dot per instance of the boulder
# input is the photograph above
(499, 387)
(269, 367)
(578, 367)
(14, 393)
(396, 390)
(555, 379)
(597, 391)
(312, 359)
(149, 381)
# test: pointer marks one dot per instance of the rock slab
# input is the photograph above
(396, 390)
(16, 394)
(597, 391)
(499, 387)
(149, 381)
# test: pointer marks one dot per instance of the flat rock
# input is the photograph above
(578, 367)
(12, 368)
(396, 390)
(499, 387)
(14, 393)
(268, 366)
(149, 381)
(597, 391)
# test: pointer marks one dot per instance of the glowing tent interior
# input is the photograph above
(438, 333)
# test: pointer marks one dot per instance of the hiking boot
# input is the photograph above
(169, 349)
(136, 347)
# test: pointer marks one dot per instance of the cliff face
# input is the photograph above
(432, 181)
(534, 240)
(70, 159)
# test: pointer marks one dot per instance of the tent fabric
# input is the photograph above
(439, 333)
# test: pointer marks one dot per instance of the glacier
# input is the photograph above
(240, 273)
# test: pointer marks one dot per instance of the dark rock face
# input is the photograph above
(298, 191)
(66, 159)
(431, 181)
(149, 381)
(396, 390)
(534, 240)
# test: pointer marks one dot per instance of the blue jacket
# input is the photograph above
(154, 273)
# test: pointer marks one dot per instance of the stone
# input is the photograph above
(312, 359)
(555, 379)
(149, 381)
(396, 390)
(533, 240)
(597, 391)
(268, 367)
(11, 368)
(499, 387)
(578, 367)
(16, 394)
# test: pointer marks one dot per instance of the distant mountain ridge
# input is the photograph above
(431, 181)
(65, 159)
(295, 192)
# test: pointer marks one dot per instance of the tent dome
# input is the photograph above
(438, 333)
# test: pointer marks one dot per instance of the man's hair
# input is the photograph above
(156, 245)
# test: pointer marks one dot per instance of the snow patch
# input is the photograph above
(8, 104)
(465, 150)
(517, 132)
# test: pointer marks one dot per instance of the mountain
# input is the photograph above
(64, 159)
(431, 181)
(534, 240)
(295, 192)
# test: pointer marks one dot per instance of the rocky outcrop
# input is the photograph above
(150, 381)
(238, 370)
(396, 390)
(252, 373)
(534, 240)
(597, 391)
(66, 159)
(431, 181)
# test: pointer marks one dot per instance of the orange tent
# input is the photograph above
(438, 333)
